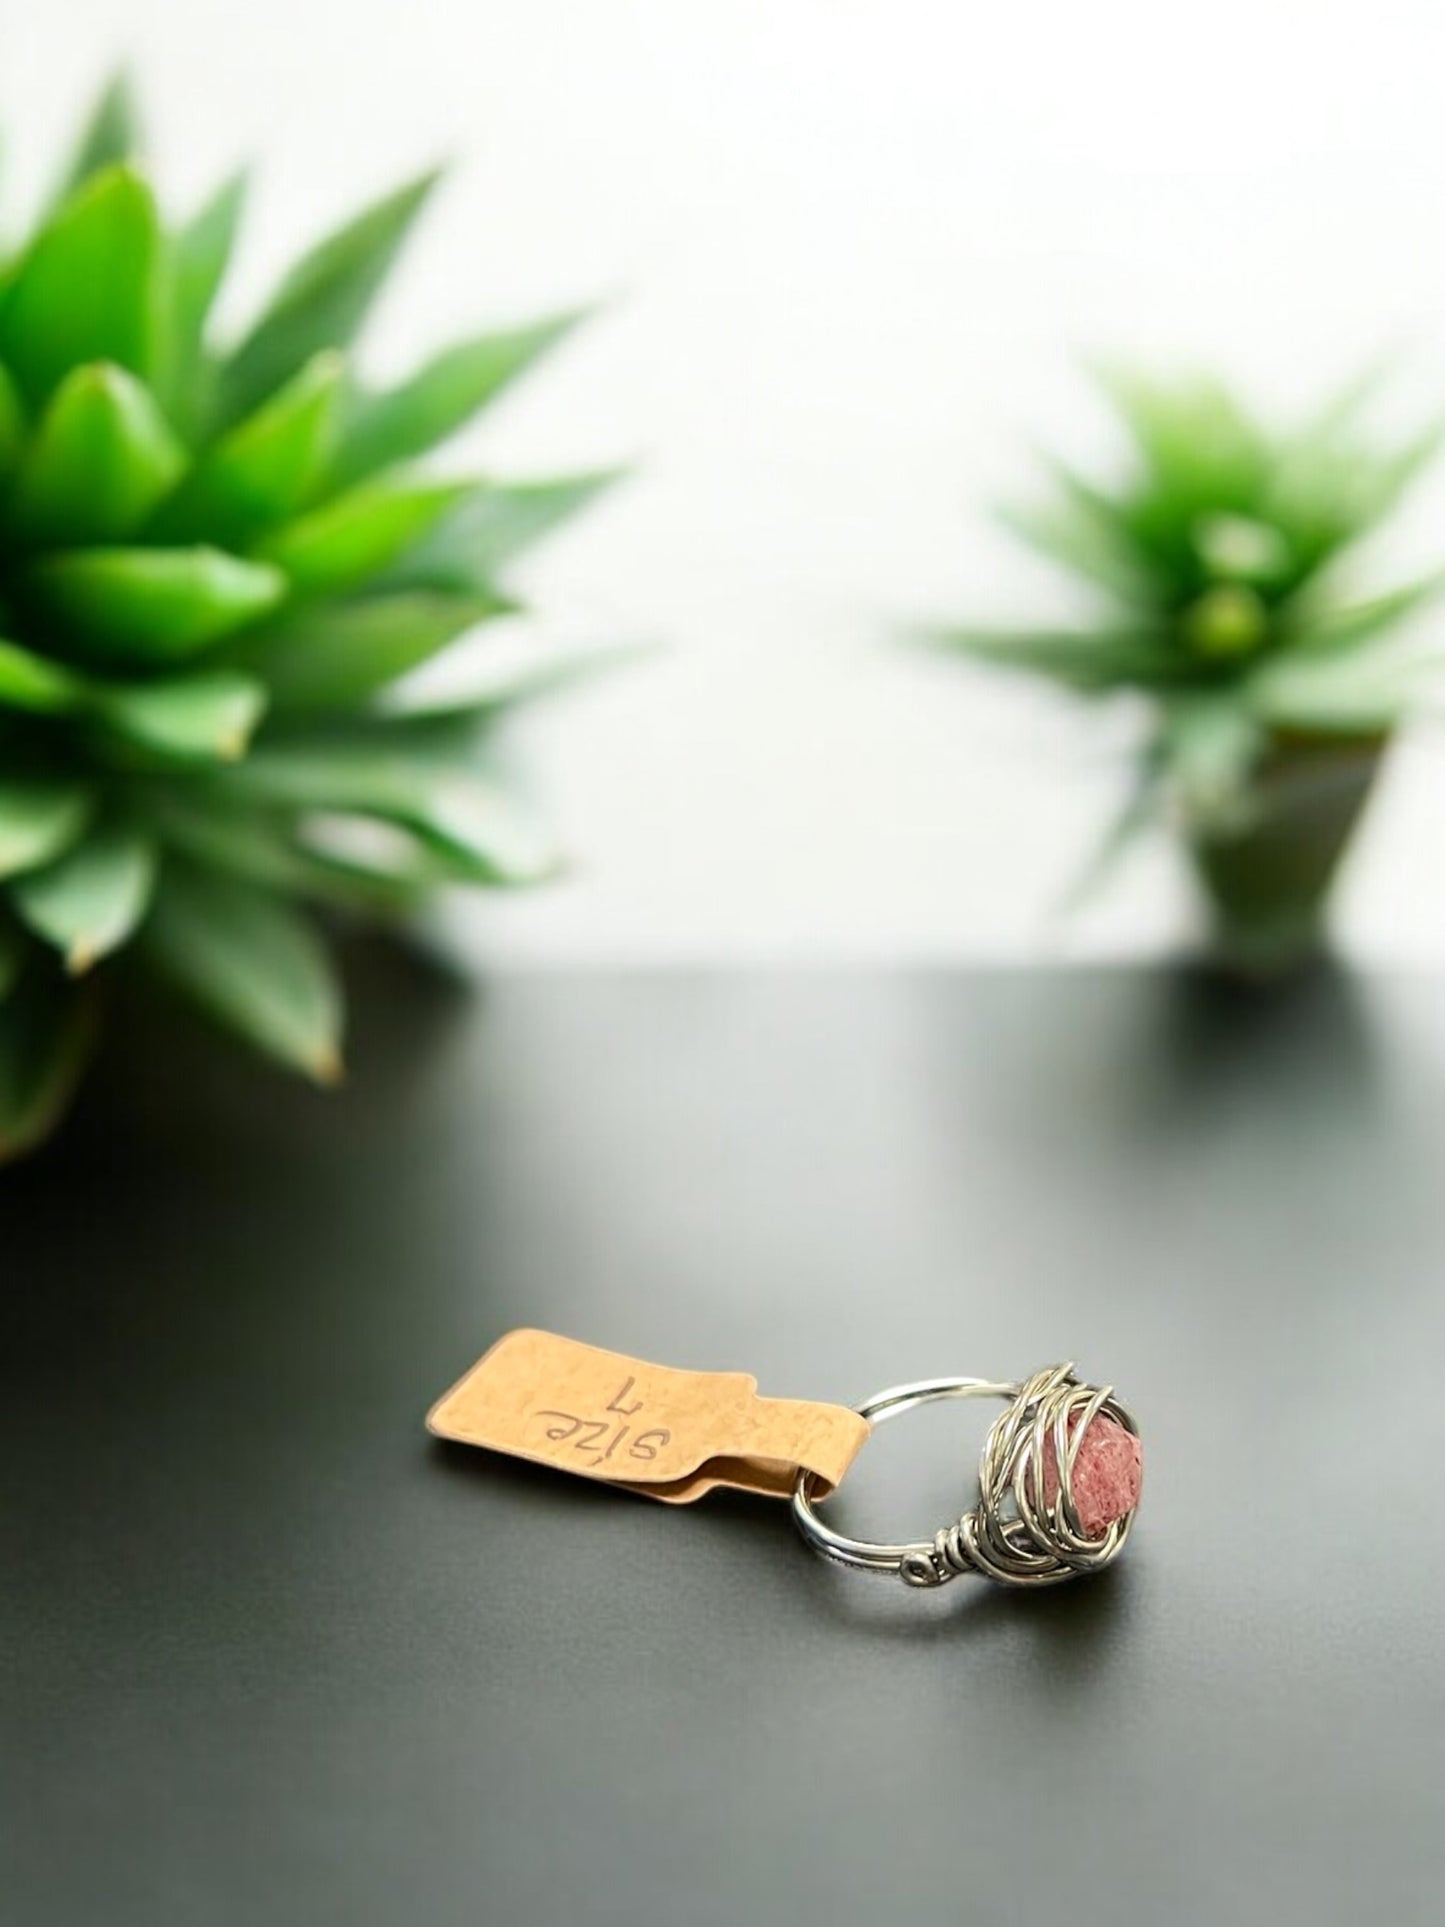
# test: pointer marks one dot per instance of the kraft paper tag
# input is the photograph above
(671, 1435)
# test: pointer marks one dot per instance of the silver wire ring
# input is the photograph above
(1021, 1532)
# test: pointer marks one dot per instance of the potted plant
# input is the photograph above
(1215, 567)
(219, 560)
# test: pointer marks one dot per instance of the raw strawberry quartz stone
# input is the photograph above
(1108, 1475)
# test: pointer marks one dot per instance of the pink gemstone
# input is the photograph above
(1108, 1475)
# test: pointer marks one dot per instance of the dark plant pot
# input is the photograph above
(1268, 886)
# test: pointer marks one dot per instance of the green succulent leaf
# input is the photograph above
(1090, 661)
(490, 526)
(1345, 693)
(34, 683)
(494, 688)
(253, 962)
(12, 422)
(263, 470)
(46, 1031)
(386, 429)
(111, 137)
(339, 653)
(1362, 623)
(1197, 441)
(101, 458)
(389, 883)
(204, 718)
(1228, 621)
(152, 606)
(1082, 542)
(39, 820)
(1329, 495)
(344, 543)
(322, 302)
(247, 843)
(200, 254)
(483, 834)
(88, 287)
(1243, 550)
(1386, 482)
(265, 850)
(90, 901)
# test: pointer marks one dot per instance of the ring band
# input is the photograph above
(1059, 1480)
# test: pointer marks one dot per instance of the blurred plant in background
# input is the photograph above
(1215, 568)
(216, 561)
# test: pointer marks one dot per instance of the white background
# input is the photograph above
(852, 250)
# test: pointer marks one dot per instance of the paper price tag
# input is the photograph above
(668, 1434)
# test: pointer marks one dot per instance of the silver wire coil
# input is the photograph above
(1019, 1533)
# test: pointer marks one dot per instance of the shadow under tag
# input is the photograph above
(670, 1435)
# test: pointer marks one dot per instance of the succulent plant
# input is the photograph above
(218, 564)
(1216, 569)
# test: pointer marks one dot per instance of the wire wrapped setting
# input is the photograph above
(1025, 1529)
(1016, 1533)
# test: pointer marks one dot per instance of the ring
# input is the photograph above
(1059, 1481)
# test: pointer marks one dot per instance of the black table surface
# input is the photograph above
(271, 1655)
